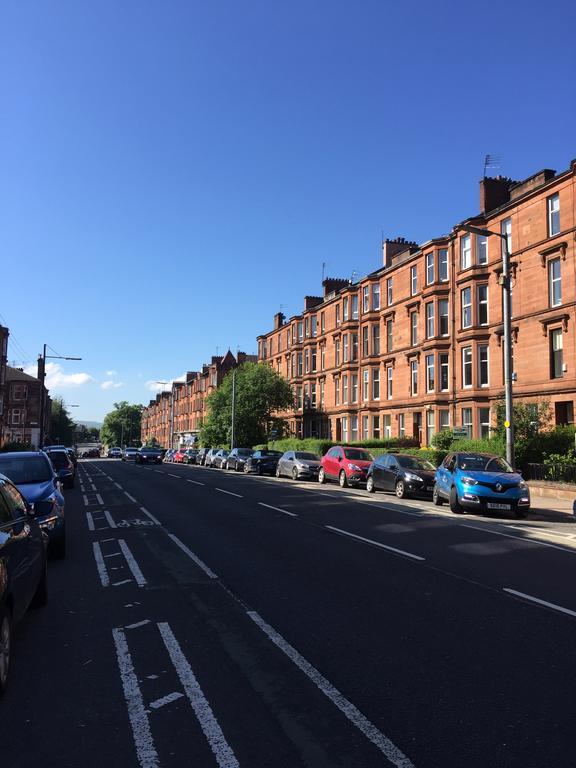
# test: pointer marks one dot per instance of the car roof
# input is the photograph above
(21, 454)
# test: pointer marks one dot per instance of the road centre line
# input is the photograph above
(178, 476)
(382, 742)
(223, 753)
(102, 572)
(537, 600)
(230, 493)
(151, 516)
(192, 556)
(375, 543)
(130, 497)
(132, 564)
(160, 471)
(195, 482)
(519, 538)
(277, 509)
(141, 733)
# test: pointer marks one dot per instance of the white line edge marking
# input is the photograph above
(178, 476)
(137, 624)
(132, 564)
(230, 493)
(119, 583)
(160, 471)
(192, 556)
(223, 753)
(532, 599)
(130, 497)
(519, 538)
(277, 509)
(102, 572)
(151, 516)
(168, 699)
(196, 482)
(141, 733)
(90, 521)
(387, 747)
(99, 499)
(375, 543)
(109, 519)
(118, 485)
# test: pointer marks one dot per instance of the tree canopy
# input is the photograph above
(62, 428)
(122, 425)
(260, 392)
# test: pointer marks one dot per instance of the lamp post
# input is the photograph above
(507, 312)
(42, 378)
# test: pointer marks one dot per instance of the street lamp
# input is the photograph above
(42, 378)
(507, 312)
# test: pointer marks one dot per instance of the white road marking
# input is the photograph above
(145, 749)
(196, 482)
(222, 751)
(119, 583)
(192, 556)
(277, 509)
(86, 502)
(230, 493)
(102, 572)
(519, 538)
(132, 499)
(99, 499)
(132, 564)
(387, 747)
(109, 519)
(90, 521)
(114, 554)
(118, 485)
(178, 476)
(138, 624)
(374, 543)
(160, 471)
(93, 486)
(554, 606)
(166, 700)
(151, 516)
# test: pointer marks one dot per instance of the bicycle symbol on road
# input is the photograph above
(134, 522)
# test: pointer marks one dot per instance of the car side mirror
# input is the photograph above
(30, 510)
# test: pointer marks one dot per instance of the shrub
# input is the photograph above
(16, 447)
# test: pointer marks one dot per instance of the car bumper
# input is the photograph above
(52, 526)
(487, 504)
(309, 473)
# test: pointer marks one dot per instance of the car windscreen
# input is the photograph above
(32, 469)
(414, 462)
(303, 456)
(357, 455)
(272, 454)
(59, 459)
(483, 463)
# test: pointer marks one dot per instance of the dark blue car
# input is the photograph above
(35, 478)
(481, 483)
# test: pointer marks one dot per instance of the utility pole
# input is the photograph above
(233, 407)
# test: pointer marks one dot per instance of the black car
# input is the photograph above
(201, 456)
(149, 456)
(237, 458)
(402, 474)
(262, 462)
(190, 456)
(22, 566)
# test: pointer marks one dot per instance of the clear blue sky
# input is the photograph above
(173, 171)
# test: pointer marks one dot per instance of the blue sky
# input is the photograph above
(172, 172)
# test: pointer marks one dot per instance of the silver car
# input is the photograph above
(298, 464)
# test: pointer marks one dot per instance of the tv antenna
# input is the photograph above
(491, 161)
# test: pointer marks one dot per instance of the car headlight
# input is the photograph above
(354, 468)
(469, 481)
(523, 485)
(411, 477)
(303, 466)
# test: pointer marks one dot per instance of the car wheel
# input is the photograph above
(321, 476)
(294, 473)
(437, 500)
(277, 471)
(454, 503)
(246, 469)
(370, 485)
(342, 479)
(40, 598)
(58, 548)
(5, 646)
(400, 489)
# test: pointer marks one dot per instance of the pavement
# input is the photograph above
(209, 618)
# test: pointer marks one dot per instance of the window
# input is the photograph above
(506, 230)
(443, 264)
(444, 415)
(338, 320)
(337, 390)
(466, 304)
(430, 320)
(444, 370)
(389, 335)
(366, 298)
(482, 304)
(307, 327)
(389, 297)
(389, 375)
(322, 322)
(414, 377)
(387, 426)
(365, 384)
(300, 331)
(375, 384)
(553, 203)
(467, 420)
(306, 361)
(376, 339)
(483, 374)
(19, 392)
(345, 304)
(345, 429)
(299, 363)
(15, 416)
(287, 339)
(554, 282)
(355, 307)
(323, 357)
(313, 401)
(401, 425)
(365, 341)
(313, 325)
(443, 316)
(430, 427)
(481, 249)
(430, 268)
(376, 427)
(484, 420)
(556, 354)
(414, 328)
(413, 280)
(465, 252)
(299, 398)
(345, 348)
(354, 348)
(337, 352)
(376, 296)
(365, 434)
(345, 388)
(354, 428)
(466, 366)
(354, 388)
(430, 383)
(322, 388)
(313, 356)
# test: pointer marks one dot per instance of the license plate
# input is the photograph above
(492, 505)
(429, 487)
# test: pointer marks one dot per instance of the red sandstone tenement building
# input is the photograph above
(416, 346)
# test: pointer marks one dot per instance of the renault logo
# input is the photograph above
(498, 487)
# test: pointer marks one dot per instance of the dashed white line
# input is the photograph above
(230, 493)
(537, 600)
(177, 476)
(166, 700)
(150, 515)
(277, 509)
(132, 499)
(86, 502)
(192, 556)
(196, 482)
(387, 747)
(109, 519)
(375, 543)
(222, 751)
(160, 471)
(132, 564)
(102, 572)
(99, 499)
(118, 485)
(90, 521)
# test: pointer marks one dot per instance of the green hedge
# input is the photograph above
(376, 447)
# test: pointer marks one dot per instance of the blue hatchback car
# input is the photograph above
(481, 483)
(34, 476)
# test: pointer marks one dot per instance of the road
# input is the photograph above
(205, 618)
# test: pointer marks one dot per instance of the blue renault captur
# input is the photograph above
(34, 476)
(481, 483)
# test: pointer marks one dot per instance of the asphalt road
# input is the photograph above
(204, 618)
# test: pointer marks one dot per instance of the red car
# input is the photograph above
(179, 456)
(346, 464)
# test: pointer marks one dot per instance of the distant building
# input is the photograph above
(22, 398)
(4, 333)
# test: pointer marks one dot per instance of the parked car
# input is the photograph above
(404, 475)
(179, 455)
(64, 467)
(480, 482)
(34, 476)
(262, 462)
(148, 455)
(219, 460)
(94, 453)
(114, 453)
(298, 464)
(237, 458)
(24, 581)
(129, 454)
(70, 451)
(209, 458)
(190, 456)
(201, 457)
(346, 464)
(169, 455)
(73, 455)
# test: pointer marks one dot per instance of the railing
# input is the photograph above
(555, 472)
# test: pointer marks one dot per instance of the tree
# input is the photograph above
(260, 392)
(122, 425)
(62, 428)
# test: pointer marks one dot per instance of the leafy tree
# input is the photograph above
(122, 425)
(532, 419)
(62, 428)
(260, 392)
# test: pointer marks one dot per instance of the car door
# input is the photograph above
(331, 465)
(379, 471)
(392, 472)
(444, 474)
(18, 549)
(287, 463)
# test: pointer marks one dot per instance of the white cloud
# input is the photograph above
(111, 373)
(57, 379)
(158, 386)
(111, 384)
